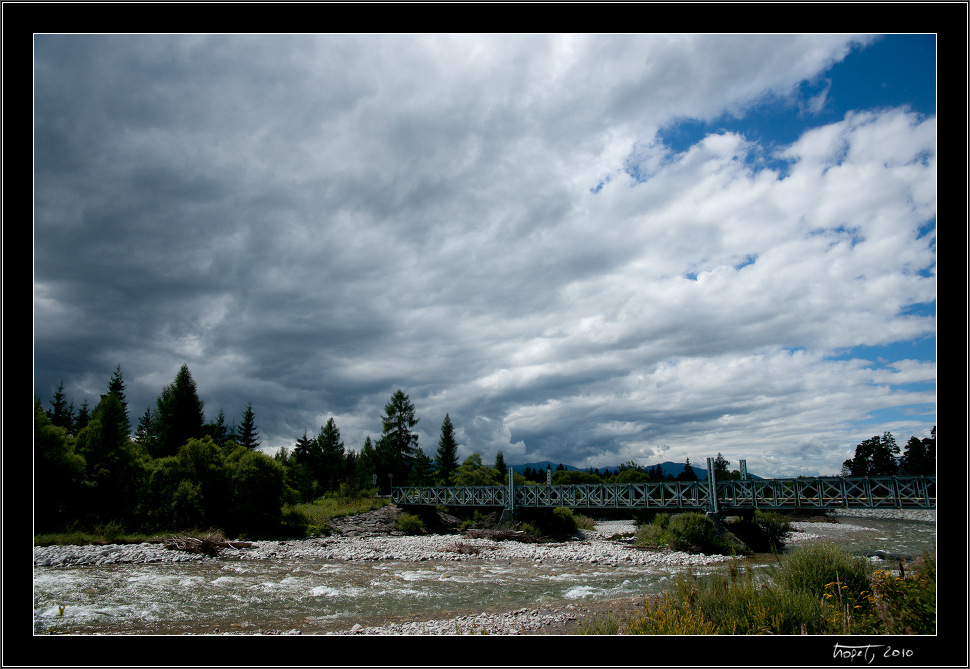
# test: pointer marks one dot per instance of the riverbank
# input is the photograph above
(592, 547)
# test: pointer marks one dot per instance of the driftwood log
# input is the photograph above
(206, 545)
(502, 535)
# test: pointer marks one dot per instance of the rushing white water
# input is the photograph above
(316, 594)
(311, 595)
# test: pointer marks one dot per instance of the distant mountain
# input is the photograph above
(668, 468)
(518, 469)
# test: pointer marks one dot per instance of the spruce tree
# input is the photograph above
(112, 472)
(178, 416)
(398, 443)
(144, 430)
(332, 456)
(60, 414)
(884, 458)
(500, 466)
(919, 458)
(305, 463)
(83, 416)
(688, 473)
(366, 463)
(116, 387)
(446, 457)
(218, 430)
(422, 471)
(247, 435)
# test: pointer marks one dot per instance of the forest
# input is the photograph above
(176, 470)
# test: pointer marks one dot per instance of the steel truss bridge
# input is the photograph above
(850, 492)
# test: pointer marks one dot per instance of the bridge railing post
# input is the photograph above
(510, 502)
(712, 484)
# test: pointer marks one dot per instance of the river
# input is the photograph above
(317, 595)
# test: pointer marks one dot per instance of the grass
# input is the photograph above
(818, 589)
(608, 624)
(107, 533)
(320, 512)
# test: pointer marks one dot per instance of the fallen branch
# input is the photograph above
(501, 535)
(206, 545)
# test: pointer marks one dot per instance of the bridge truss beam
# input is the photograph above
(915, 492)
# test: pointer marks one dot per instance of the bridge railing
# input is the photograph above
(662, 494)
(800, 493)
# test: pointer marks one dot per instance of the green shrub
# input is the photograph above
(563, 522)
(763, 531)
(409, 523)
(774, 527)
(692, 532)
(652, 536)
(296, 523)
(559, 522)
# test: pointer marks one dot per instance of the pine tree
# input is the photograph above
(688, 474)
(884, 459)
(721, 472)
(178, 416)
(247, 435)
(218, 430)
(60, 414)
(367, 463)
(398, 443)
(500, 466)
(446, 457)
(83, 416)
(112, 472)
(422, 470)
(309, 462)
(332, 456)
(873, 457)
(919, 458)
(144, 429)
(117, 387)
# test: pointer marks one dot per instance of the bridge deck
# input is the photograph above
(917, 492)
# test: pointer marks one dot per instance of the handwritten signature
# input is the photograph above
(868, 653)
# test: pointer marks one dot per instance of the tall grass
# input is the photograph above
(817, 589)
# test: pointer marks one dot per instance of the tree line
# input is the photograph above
(178, 470)
(880, 456)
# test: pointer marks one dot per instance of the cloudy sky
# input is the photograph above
(589, 249)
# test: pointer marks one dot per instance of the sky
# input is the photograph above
(589, 249)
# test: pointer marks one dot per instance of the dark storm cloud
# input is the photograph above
(311, 223)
